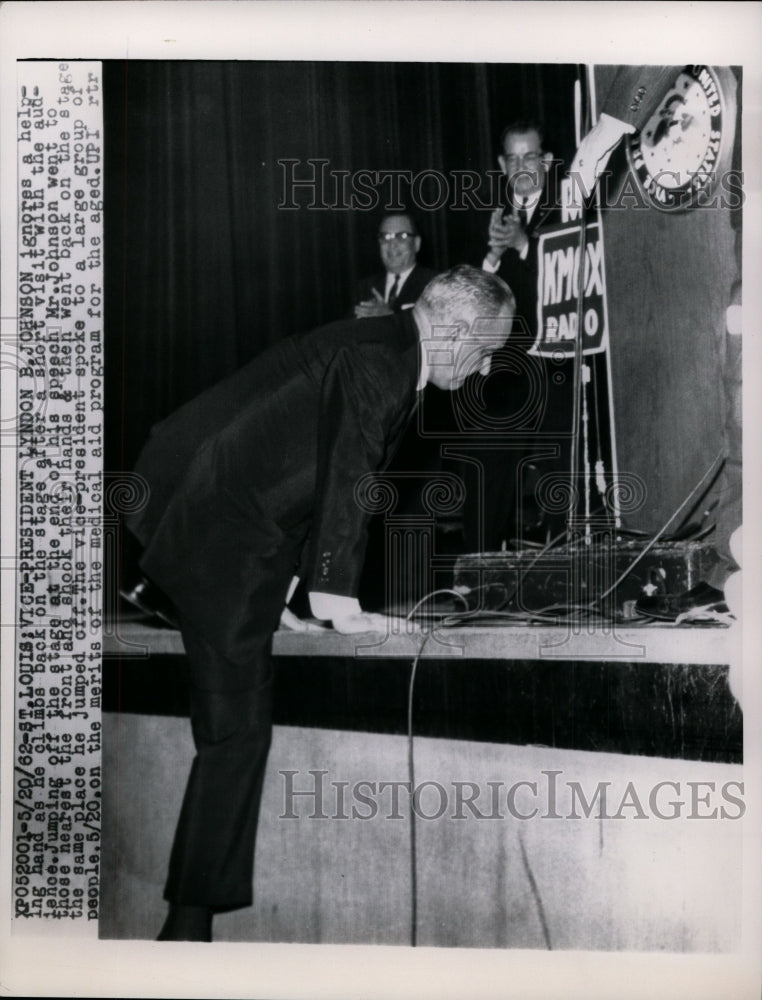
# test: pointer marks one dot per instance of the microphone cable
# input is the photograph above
(692, 496)
(411, 762)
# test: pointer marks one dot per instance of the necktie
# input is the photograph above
(392, 296)
(523, 215)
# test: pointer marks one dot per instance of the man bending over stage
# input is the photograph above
(253, 484)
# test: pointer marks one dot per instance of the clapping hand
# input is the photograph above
(373, 307)
(505, 232)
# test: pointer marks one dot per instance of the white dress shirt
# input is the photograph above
(390, 276)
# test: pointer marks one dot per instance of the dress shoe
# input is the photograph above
(703, 599)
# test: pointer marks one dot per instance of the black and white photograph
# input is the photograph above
(379, 418)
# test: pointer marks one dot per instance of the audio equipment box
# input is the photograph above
(610, 575)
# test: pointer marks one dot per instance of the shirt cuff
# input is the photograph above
(328, 607)
(616, 125)
(490, 268)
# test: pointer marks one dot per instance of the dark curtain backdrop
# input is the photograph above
(204, 270)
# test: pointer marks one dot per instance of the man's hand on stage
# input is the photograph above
(368, 621)
(291, 623)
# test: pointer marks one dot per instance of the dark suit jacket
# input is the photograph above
(247, 471)
(521, 277)
(632, 97)
(523, 395)
(635, 92)
(417, 280)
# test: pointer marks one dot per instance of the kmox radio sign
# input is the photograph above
(558, 282)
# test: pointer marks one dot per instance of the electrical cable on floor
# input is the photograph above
(435, 593)
(411, 778)
(692, 496)
(411, 760)
(411, 757)
(535, 894)
(546, 548)
(528, 617)
(543, 615)
(474, 615)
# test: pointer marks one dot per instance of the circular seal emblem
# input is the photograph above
(680, 154)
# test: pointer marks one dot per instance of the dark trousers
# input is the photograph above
(212, 856)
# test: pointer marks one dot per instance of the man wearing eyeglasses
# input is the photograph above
(500, 507)
(254, 483)
(398, 286)
(525, 165)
